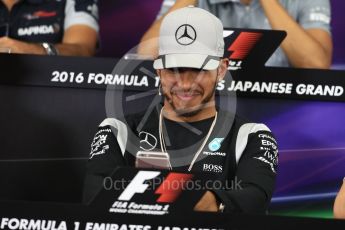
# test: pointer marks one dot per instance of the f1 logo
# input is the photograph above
(243, 44)
(138, 185)
(169, 190)
(172, 187)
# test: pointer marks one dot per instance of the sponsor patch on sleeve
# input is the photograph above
(320, 14)
(269, 150)
(99, 144)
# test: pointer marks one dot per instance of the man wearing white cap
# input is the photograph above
(189, 129)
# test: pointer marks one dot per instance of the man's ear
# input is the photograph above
(223, 68)
(158, 71)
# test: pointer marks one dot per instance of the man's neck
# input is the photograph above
(9, 3)
(205, 113)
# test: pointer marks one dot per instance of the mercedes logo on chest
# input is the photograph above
(148, 141)
(185, 35)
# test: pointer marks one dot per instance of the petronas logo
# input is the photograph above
(215, 144)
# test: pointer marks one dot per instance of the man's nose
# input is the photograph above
(186, 79)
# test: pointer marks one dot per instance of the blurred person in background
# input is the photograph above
(308, 43)
(339, 204)
(54, 27)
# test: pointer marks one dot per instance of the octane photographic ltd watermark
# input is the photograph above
(189, 185)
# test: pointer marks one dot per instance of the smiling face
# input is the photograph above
(190, 93)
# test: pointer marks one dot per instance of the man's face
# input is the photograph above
(188, 91)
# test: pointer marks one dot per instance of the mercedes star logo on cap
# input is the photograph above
(185, 35)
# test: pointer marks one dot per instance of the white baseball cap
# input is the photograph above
(190, 37)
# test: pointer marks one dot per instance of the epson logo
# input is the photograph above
(36, 30)
(212, 168)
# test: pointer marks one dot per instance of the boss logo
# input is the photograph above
(212, 168)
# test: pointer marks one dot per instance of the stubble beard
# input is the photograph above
(192, 111)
